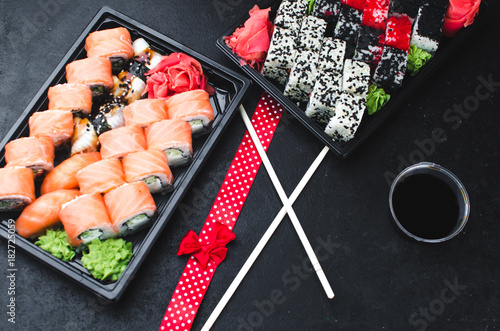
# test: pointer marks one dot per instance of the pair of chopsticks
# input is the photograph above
(287, 209)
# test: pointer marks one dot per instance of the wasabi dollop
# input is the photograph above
(106, 260)
(417, 58)
(56, 243)
(376, 99)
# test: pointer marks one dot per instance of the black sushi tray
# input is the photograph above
(370, 122)
(230, 88)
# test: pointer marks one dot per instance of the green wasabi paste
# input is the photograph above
(376, 99)
(56, 243)
(310, 6)
(106, 260)
(417, 58)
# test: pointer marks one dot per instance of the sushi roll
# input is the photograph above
(302, 77)
(428, 28)
(174, 138)
(280, 56)
(95, 72)
(376, 13)
(144, 54)
(290, 13)
(391, 69)
(355, 4)
(327, 89)
(151, 167)
(114, 44)
(369, 48)
(311, 33)
(55, 124)
(331, 56)
(101, 176)
(356, 77)
(119, 142)
(328, 10)
(143, 112)
(86, 218)
(76, 98)
(405, 7)
(17, 189)
(84, 138)
(349, 110)
(36, 153)
(43, 213)
(110, 117)
(130, 207)
(193, 107)
(64, 174)
(127, 88)
(348, 24)
(398, 32)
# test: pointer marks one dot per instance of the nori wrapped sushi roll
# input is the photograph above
(369, 48)
(391, 69)
(327, 9)
(428, 28)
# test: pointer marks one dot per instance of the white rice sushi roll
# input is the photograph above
(349, 110)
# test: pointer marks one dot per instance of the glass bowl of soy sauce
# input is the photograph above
(429, 203)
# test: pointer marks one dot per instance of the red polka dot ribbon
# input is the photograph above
(195, 279)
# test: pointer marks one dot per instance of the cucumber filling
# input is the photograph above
(90, 235)
(10, 203)
(173, 153)
(97, 90)
(137, 221)
(154, 183)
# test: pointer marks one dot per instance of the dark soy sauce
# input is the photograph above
(426, 206)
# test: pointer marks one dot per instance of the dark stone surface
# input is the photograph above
(382, 280)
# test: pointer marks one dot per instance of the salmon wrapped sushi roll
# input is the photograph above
(193, 107)
(122, 141)
(86, 218)
(174, 138)
(114, 44)
(17, 188)
(130, 207)
(76, 98)
(43, 213)
(95, 72)
(149, 166)
(101, 176)
(56, 124)
(36, 153)
(64, 175)
(84, 138)
(144, 112)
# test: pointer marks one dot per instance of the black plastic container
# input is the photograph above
(230, 89)
(369, 123)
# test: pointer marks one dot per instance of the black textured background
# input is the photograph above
(382, 280)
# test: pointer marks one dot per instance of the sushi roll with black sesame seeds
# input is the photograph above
(327, 89)
(348, 24)
(349, 110)
(280, 54)
(327, 9)
(391, 69)
(332, 54)
(368, 48)
(356, 77)
(428, 28)
(311, 33)
(290, 12)
(408, 7)
(302, 76)
(110, 117)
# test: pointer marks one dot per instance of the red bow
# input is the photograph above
(214, 250)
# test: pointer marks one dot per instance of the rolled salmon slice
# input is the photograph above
(193, 107)
(149, 166)
(174, 138)
(119, 142)
(86, 218)
(56, 124)
(130, 207)
(114, 44)
(17, 188)
(95, 72)
(144, 112)
(36, 153)
(76, 98)
(101, 176)
(43, 213)
(64, 175)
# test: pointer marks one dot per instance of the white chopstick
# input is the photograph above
(288, 207)
(262, 242)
